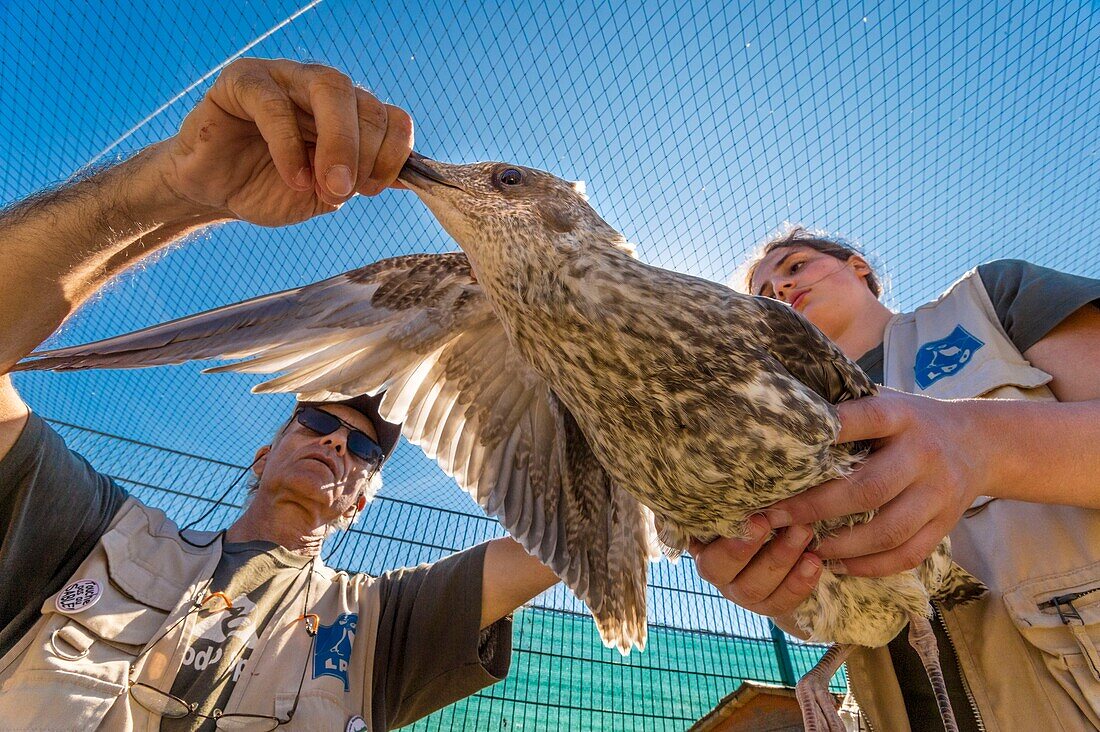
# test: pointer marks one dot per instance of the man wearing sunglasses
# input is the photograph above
(113, 618)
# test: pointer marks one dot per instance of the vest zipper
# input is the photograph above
(866, 717)
(959, 668)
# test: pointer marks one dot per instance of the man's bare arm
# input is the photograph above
(511, 578)
(59, 247)
(273, 142)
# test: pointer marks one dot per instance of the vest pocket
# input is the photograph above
(316, 710)
(67, 680)
(1060, 616)
(46, 700)
(77, 665)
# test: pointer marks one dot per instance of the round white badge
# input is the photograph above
(356, 724)
(78, 596)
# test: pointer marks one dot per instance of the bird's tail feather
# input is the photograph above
(620, 612)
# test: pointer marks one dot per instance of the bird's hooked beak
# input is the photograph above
(417, 171)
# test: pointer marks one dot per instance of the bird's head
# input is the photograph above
(491, 209)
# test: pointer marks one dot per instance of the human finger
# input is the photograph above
(719, 561)
(794, 589)
(321, 205)
(382, 152)
(332, 102)
(895, 523)
(247, 91)
(766, 570)
(372, 120)
(394, 149)
(903, 558)
(884, 474)
(871, 418)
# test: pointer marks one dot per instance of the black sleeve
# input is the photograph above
(430, 651)
(54, 507)
(1031, 300)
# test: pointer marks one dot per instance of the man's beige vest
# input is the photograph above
(71, 670)
(1026, 667)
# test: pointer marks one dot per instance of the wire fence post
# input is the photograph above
(782, 654)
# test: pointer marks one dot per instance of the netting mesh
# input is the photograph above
(938, 136)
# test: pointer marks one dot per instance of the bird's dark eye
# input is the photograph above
(511, 177)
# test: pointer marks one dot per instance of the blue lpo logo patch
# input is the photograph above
(946, 357)
(332, 647)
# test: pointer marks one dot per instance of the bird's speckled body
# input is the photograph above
(683, 404)
(705, 403)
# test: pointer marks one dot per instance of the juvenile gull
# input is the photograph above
(572, 390)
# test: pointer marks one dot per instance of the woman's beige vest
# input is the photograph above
(1026, 666)
(71, 670)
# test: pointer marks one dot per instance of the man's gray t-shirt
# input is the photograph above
(54, 507)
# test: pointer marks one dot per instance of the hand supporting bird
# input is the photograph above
(930, 462)
(927, 467)
(766, 573)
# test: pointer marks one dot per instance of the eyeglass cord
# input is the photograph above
(311, 630)
(339, 545)
(213, 506)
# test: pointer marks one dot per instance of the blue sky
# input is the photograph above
(937, 136)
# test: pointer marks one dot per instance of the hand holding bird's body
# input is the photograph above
(926, 469)
(768, 572)
(929, 465)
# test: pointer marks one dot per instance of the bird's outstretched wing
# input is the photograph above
(809, 355)
(421, 328)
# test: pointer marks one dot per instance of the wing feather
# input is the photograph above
(435, 422)
(421, 329)
(810, 356)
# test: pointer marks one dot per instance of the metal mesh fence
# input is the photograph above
(937, 135)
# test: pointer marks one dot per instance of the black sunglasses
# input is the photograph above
(323, 423)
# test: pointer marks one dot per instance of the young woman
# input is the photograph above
(990, 432)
